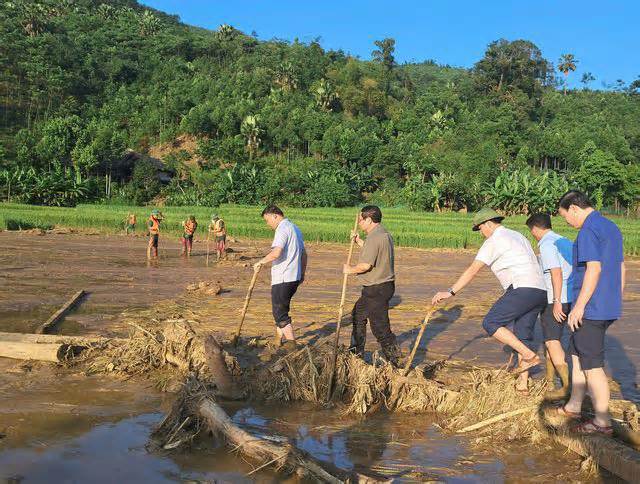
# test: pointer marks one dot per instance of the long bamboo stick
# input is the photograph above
(407, 366)
(246, 304)
(343, 296)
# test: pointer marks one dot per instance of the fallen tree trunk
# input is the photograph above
(54, 338)
(609, 453)
(59, 314)
(53, 352)
(283, 456)
(226, 387)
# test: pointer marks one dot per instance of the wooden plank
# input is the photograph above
(54, 338)
(52, 352)
(59, 314)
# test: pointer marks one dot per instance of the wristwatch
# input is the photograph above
(450, 291)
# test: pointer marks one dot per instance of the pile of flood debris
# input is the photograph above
(203, 369)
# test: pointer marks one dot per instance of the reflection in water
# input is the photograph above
(108, 453)
(404, 448)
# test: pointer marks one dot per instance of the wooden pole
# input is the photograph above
(246, 305)
(208, 235)
(343, 296)
(497, 418)
(59, 314)
(407, 366)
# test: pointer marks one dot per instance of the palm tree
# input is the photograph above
(149, 24)
(324, 95)
(587, 78)
(286, 77)
(225, 32)
(251, 130)
(566, 64)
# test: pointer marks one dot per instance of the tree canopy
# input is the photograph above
(85, 82)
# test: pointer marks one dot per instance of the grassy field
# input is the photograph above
(411, 229)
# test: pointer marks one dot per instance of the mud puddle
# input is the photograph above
(38, 274)
(403, 448)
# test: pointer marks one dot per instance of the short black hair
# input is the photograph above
(272, 209)
(574, 197)
(540, 220)
(373, 212)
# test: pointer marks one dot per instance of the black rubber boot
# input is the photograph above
(358, 339)
(392, 354)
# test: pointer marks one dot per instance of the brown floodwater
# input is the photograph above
(58, 426)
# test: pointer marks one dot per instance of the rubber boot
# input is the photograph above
(550, 374)
(289, 345)
(358, 339)
(392, 354)
(277, 340)
(563, 392)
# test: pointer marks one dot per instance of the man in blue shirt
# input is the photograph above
(556, 256)
(598, 283)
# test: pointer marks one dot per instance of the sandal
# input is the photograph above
(563, 412)
(590, 427)
(526, 364)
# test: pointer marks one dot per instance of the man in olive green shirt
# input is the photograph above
(375, 272)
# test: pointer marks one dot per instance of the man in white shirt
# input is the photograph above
(289, 263)
(509, 255)
(556, 259)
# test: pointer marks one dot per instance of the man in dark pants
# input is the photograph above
(375, 270)
(598, 284)
(556, 256)
(509, 255)
(289, 263)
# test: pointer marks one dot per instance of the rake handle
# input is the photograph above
(407, 366)
(246, 301)
(208, 235)
(343, 296)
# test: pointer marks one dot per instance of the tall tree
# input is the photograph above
(566, 64)
(508, 65)
(384, 55)
(587, 78)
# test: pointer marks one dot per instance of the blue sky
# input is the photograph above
(601, 34)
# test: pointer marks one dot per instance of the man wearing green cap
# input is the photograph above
(511, 258)
(219, 231)
(153, 226)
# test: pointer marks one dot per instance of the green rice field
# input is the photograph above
(410, 229)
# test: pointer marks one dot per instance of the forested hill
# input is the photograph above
(236, 119)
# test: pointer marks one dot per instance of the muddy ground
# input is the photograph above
(54, 422)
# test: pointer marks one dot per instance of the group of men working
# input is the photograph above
(580, 284)
(217, 230)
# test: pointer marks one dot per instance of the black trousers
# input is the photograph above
(373, 305)
(281, 295)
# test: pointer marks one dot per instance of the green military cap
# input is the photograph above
(484, 214)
